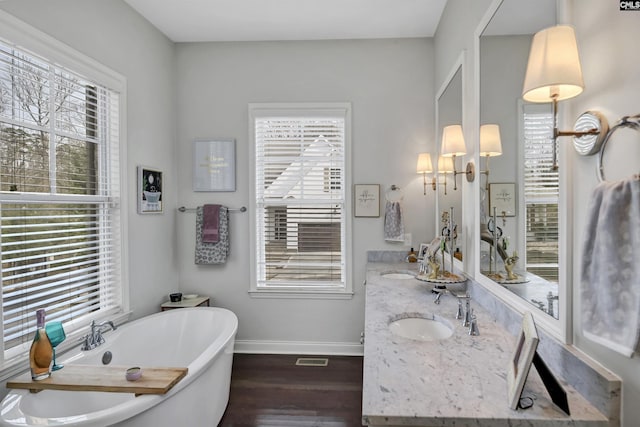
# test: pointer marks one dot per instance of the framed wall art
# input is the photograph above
(502, 196)
(367, 200)
(214, 165)
(149, 190)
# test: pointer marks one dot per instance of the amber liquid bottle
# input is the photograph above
(41, 352)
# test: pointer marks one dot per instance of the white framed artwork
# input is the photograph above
(367, 200)
(502, 196)
(149, 190)
(214, 165)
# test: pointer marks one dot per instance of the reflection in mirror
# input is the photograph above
(519, 197)
(449, 131)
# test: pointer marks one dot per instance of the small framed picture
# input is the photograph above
(520, 363)
(502, 196)
(424, 247)
(367, 200)
(149, 190)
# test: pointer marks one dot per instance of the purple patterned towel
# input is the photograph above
(210, 223)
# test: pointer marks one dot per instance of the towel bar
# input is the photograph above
(183, 209)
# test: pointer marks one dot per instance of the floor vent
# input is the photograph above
(309, 361)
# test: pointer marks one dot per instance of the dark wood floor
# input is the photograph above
(270, 390)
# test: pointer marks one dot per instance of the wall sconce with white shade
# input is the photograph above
(490, 145)
(445, 166)
(424, 167)
(554, 74)
(452, 146)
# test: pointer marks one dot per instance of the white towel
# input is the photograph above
(611, 267)
(212, 253)
(393, 222)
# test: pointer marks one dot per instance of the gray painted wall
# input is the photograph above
(390, 86)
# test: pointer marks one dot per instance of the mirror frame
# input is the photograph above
(458, 65)
(559, 328)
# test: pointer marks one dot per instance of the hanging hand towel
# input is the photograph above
(210, 222)
(212, 253)
(610, 294)
(393, 222)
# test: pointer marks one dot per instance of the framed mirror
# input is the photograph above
(519, 254)
(449, 198)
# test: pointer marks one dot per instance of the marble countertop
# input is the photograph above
(459, 381)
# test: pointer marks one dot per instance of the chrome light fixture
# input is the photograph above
(490, 145)
(452, 146)
(424, 167)
(554, 74)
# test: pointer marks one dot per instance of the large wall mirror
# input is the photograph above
(519, 193)
(449, 191)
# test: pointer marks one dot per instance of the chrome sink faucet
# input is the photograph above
(95, 338)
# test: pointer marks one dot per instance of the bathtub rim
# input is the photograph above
(132, 407)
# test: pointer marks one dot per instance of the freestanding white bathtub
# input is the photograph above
(200, 338)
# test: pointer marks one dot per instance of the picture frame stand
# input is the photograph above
(553, 386)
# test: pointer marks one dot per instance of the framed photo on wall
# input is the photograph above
(502, 196)
(149, 190)
(367, 200)
(214, 165)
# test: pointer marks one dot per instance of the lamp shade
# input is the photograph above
(453, 141)
(445, 164)
(490, 144)
(424, 163)
(554, 67)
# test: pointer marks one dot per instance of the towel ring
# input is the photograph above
(632, 122)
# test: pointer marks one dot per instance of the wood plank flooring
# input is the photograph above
(270, 390)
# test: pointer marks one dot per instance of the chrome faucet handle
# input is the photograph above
(467, 314)
(473, 328)
(459, 313)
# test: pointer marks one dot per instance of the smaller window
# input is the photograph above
(300, 199)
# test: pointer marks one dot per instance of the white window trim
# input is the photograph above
(260, 110)
(29, 38)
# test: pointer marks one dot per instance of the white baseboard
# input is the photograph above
(299, 347)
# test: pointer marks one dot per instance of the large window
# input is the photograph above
(541, 193)
(301, 193)
(59, 193)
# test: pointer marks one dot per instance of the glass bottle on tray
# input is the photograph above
(41, 352)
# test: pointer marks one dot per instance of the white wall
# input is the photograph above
(390, 86)
(611, 69)
(113, 34)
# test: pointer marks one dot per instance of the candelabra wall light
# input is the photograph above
(490, 146)
(425, 167)
(554, 74)
(445, 167)
(453, 146)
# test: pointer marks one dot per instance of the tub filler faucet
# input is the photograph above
(95, 338)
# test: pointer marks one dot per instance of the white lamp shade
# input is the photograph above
(424, 163)
(453, 141)
(490, 144)
(554, 66)
(445, 164)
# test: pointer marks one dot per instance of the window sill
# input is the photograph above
(300, 294)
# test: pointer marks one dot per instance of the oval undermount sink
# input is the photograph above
(421, 329)
(403, 275)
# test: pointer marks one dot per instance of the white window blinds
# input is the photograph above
(59, 194)
(541, 193)
(300, 201)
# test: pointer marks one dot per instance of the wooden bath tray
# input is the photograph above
(102, 378)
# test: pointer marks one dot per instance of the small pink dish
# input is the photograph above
(133, 374)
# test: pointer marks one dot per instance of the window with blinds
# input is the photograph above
(541, 193)
(300, 199)
(59, 193)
